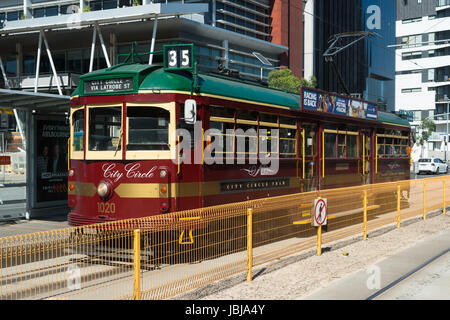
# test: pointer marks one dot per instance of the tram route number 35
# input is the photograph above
(106, 207)
(178, 57)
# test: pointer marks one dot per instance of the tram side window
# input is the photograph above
(352, 146)
(148, 128)
(104, 128)
(288, 138)
(330, 145)
(342, 141)
(78, 130)
(224, 138)
(310, 139)
(404, 145)
(246, 134)
(268, 135)
(222, 119)
(380, 146)
(388, 149)
(392, 147)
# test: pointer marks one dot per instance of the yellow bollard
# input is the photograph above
(398, 207)
(365, 215)
(319, 240)
(249, 244)
(444, 207)
(424, 201)
(137, 265)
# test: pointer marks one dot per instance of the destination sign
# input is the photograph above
(108, 85)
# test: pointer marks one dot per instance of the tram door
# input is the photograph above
(308, 155)
(365, 147)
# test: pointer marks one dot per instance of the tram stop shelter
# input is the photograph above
(33, 156)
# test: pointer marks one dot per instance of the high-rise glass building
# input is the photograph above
(367, 67)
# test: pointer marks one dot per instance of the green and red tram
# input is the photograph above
(125, 160)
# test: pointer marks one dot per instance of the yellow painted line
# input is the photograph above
(306, 213)
(302, 222)
(373, 207)
(306, 205)
(189, 218)
(309, 221)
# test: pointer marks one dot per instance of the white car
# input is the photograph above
(431, 165)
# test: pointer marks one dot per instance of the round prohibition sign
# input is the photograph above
(320, 212)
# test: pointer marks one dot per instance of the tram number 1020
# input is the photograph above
(106, 207)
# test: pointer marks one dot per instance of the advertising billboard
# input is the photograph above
(313, 100)
(51, 163)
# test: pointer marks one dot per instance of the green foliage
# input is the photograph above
(87, 8)
(427, 127)
(284, 80)
(136, 3)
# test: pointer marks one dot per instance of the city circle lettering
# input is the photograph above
(131, 171)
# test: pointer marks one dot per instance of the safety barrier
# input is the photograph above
(162, 256)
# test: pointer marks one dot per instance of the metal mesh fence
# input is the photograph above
(162, 256)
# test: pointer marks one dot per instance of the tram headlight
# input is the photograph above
(102, 189)
(162, 173)
(71, 172)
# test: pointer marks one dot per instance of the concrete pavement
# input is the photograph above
(365, 283)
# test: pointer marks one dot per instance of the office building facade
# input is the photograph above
(423, 64)
(367, 67)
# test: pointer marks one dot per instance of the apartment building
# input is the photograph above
(423, 64)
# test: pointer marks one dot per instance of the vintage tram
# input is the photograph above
(126, 160)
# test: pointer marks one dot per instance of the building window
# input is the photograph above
(410, 90)
(411, 55)
(412, 41)
(430, 74)
(12, 16)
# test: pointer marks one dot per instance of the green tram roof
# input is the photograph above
(386, 117)
(155, 78)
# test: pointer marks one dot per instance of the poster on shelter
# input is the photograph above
(51, 162)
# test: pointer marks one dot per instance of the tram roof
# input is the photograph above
(155, 79)
(390, 118)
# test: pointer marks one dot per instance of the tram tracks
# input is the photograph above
(405, 277)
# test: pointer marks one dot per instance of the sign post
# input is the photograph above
(320, 214)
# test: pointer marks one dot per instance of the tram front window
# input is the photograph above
(78, 130)
(148, 128)
(104, 128)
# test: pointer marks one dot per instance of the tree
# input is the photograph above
(426, 127)
(284, 80)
